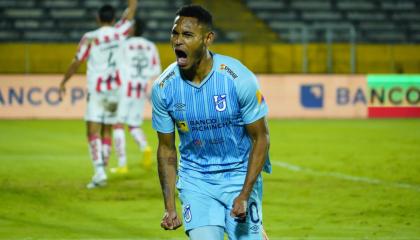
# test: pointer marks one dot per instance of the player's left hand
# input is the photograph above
(239, 207)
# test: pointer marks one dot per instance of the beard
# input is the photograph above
(198, 55)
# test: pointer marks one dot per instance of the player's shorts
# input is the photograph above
(209, 202)
(102, 107)
(131, 110)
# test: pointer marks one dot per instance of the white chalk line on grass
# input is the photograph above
(343, 176)
(282, 164)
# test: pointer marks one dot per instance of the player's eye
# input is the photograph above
(188, 34)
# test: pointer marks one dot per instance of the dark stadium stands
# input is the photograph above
(374, 21)
(293, 21)
(67, 20)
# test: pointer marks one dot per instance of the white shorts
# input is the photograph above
(102, 107)
(131, 110)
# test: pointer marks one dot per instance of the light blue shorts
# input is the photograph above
(207, 202)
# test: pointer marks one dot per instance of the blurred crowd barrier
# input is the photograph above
(288, 96)
(271, 58)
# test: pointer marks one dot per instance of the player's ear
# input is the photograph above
(209, 38)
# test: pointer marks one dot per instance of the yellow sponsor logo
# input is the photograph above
(182, 126)
(260, 97)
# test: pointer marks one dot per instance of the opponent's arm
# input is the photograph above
(72, 69)
(167, 168)
(258, 131)
(148, 90)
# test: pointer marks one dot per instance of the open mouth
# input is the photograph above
(181, 57)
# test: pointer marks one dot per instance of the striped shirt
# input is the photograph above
(139, 62)
(210, 117)
(101, 49)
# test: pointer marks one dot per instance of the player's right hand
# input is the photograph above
(61, 91)
(170, 221)
(239, 207)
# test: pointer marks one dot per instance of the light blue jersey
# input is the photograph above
(210, 117)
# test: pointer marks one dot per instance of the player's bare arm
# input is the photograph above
(72, 69)
(130, 12)
(167, 167)
(258, 131)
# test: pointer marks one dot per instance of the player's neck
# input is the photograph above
(105, 24)
(198, 74)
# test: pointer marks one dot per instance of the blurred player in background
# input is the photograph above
(139, 65)
(215, 103)
(100, 48)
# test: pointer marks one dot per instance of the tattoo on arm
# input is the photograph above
(166, 164)
(167, 167)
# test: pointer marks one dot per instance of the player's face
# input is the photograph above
(189, 40)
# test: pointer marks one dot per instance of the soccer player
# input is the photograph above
(216, 105)
(140, 64)
(99, 48)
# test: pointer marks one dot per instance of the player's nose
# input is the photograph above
(177, 41)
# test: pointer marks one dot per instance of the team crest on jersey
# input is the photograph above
(220, 102)
(182, 126)
(187, 213)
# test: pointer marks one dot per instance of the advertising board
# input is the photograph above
(288, 96)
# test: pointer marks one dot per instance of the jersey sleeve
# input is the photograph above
(161, 120)
(83, 49)
(123, 26)
(251, 99)
(252, 104)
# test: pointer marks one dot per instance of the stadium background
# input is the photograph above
(333, 179)
(269, 36)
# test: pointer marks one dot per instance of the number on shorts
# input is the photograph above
(253, 212)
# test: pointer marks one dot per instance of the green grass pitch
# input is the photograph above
(332, 179)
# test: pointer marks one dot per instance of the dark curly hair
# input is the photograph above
(196, 11)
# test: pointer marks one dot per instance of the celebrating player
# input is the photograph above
(216, 104)
(140, 64)
(100, 48)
